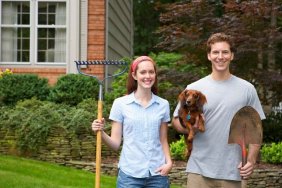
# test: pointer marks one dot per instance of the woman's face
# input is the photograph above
(220, 56)
(145, 74)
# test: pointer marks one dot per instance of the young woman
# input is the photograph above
(140, 120)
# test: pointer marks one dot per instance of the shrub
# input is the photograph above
(178, 148)
(32, 121)
(72, 89)
(91, 105)
(16, 87)
(272, 127)
(272, 153)
(166, 60)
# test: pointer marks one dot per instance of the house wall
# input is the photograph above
(119, 33)
(95, 45)
(108, 26)
(52, 74)
(96, 36)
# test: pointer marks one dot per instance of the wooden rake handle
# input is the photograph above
(98, 147)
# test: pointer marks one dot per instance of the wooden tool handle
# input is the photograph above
(244, 155)
(98, 147)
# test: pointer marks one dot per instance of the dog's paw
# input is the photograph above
(190, 136)
(201, 129)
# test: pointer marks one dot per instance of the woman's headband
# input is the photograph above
(139, 60)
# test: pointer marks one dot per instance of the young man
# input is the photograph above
(213, 162)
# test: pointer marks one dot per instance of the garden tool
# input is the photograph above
(123, 66)
(245, 128)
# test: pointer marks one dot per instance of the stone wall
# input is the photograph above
(267, 178)
(79, 151)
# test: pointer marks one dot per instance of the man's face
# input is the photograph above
(220, 56)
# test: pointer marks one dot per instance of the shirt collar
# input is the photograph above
(131, 98)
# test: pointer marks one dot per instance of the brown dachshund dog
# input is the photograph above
(191, 107)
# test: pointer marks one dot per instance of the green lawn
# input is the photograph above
(18, 172)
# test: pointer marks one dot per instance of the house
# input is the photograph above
(46, 37)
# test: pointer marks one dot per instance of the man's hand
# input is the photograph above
(247, 170)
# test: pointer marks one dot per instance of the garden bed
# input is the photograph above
(177, 163)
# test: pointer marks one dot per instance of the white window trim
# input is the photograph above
(72, 38)
(36, 26)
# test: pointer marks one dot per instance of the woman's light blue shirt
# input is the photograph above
(142, 151)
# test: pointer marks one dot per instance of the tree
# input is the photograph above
(255, 25)
(146, 19)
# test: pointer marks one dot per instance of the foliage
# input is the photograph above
(166, 59)
(118, 86)
(71, 89)
(255, 26)
(272, 153)
(32, 121)
(5, 72)
(272, 127)
(178, 148)
(16, 87)
(146, 16)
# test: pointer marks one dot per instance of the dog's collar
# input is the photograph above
(188, 117)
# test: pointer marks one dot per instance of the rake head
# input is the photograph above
(102, 62)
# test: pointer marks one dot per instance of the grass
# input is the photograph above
(16, 172)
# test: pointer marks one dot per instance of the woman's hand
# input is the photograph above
(98, 125)
(164, 169)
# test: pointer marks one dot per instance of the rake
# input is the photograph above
(123, 64)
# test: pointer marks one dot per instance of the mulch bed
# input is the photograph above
(259, 165)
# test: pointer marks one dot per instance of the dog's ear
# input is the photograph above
(182, 98)
(201, 99)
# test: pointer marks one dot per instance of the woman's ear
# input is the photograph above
(133, 75)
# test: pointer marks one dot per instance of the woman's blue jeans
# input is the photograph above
(126, 181)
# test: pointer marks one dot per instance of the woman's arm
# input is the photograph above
(165, 169)
(112, 141)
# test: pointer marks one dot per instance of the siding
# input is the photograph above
(119, 38)
(105, 32)
(120, 29)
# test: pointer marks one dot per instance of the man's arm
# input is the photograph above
(253, 153)
(177, 126)
(247, 170)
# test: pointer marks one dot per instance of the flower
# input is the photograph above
(6, 72)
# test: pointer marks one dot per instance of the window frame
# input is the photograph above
(33, 27)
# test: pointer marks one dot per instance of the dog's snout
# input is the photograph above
(188, 102)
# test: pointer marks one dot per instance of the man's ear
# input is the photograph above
(232, 56)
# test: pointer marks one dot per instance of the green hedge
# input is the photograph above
(272, 153)
(73, 88)
(16, 87)
(32, 120)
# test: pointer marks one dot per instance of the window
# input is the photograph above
(33, 32)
